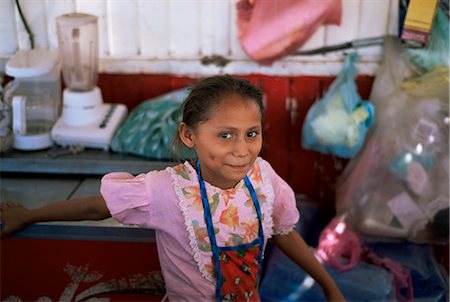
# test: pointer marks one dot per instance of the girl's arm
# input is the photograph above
(15, 217)
(293, 245)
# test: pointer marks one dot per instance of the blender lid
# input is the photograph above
(27, 63)
(75, 19)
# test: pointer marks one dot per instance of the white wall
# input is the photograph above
(171, 36)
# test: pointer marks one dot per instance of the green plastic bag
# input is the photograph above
(150, 128)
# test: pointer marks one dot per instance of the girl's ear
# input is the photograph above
(186, 135)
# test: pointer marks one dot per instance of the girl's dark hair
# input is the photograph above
(208, 93)
(211, 91)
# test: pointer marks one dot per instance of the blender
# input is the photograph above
(86, 120)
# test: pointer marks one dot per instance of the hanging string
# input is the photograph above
(25, 24)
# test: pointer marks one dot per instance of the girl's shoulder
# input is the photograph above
(264, 168)
(269, 175)
(143, 182)
(183, 171)
(265, 164)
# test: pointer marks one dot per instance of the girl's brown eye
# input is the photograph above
(225, 135)
(252, 134)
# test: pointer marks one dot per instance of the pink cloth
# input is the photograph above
(270, 30)
(340, 247)
(153, 200)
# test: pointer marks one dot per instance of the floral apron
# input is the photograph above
(237, 267)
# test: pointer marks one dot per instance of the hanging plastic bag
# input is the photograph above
(338, 123)
(150, 127)
(270, 30)
(398, 185)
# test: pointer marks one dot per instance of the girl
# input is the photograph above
(213, 216)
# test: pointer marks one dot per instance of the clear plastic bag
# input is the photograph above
(397, 186)
(338, 123)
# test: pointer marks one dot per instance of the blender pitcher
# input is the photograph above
(78, 45)
(77, 36)
(34, 96)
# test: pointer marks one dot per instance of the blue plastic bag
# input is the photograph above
(337, 124)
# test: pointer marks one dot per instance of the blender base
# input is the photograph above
(32, 142)
(97, 135)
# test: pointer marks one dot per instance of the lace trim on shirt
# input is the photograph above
(285, 231)
(268, 221)
(184, 204)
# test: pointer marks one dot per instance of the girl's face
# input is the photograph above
(228, 143)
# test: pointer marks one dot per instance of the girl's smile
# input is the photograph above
(228, 142)
(240, 167)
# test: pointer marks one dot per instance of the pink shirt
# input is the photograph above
(169, 201)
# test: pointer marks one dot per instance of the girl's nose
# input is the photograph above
(240, 148)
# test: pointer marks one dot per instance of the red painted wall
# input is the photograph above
(308, 172)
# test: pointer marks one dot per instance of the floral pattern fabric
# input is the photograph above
(233, 214)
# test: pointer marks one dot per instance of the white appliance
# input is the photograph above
(86, 120)
(34, 97)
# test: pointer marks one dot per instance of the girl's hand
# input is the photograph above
(13, 217)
